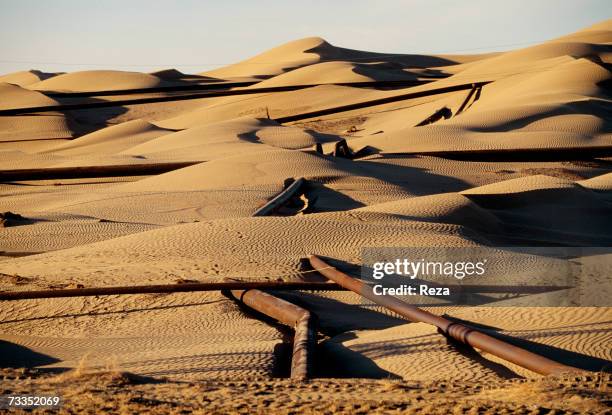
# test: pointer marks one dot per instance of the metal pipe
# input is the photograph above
(166, 88)
(281, 198)
(467, 100)
(300, 319)
(199, 95)
(373, 102)
(92, 171)
(514, 154)
(461, 333)
(169, 288)
(220, 86)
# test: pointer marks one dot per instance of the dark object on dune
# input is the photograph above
(291, 189)
(442, 113)
(341, 149)
(11, 219)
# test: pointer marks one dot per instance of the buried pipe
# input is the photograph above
(375, 102)
(300, 319)
(169, 288)
(289, 191)
(81, 172)
(201, 95)
(468, 99)
(459, 332)
(225, 86)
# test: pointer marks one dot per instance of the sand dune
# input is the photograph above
(312, 50)
(227, 138)
(290, 55)
(111, 140)
(75, 231)
(517, 210)
(35, 127)
(25, 78)
(97, 80)
(203, 331)
(253, 169)
(17, 159)
(14, 96)
(330, 72)
(30, 127)
(522, 161)
(603, 182)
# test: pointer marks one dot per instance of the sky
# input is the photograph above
(194, 36)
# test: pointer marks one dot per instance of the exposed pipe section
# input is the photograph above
(289, 191)
(514, 154)
(200, 95)
(166, 88)
(374, 102)
(82, 172)
(468, 99)
(342, 149)
(461, 333)
(300, 319)
(222, 86)
(170, 288)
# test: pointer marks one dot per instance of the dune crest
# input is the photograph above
(96, 80)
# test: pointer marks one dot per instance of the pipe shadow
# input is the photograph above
(342, 362)
(325, 199)
(106, 313)
(594, 107)
(336, 317)
(428, 343)
(88, 120)
(470, 353)
(575, 359)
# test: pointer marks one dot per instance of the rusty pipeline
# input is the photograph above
(169, 288)
(459, 332)
(81, 172)
(205, 92)
(289, 191)
(298, 318)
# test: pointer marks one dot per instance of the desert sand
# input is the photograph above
(525, 160)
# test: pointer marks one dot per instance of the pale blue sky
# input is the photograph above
(190, 35)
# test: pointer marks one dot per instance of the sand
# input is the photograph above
(25, 78)
(115, 391)
(96, 81)
(526, 162)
